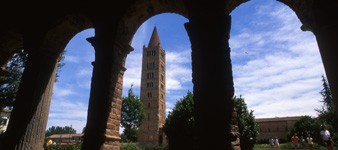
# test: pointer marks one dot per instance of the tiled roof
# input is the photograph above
(291, 118)
(155, 39)
(64, 136)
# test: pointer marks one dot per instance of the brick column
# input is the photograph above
(208, 30)
(26, 129)
(104, 112)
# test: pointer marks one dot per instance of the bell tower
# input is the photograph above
(153, 94)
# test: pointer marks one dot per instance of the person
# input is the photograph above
(309, 140)
(271, 143)
(276, 143)
(302, 141)
(326, 138)
(295, 141)
(48, 143)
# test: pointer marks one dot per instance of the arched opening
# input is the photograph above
(277, 67)
(70, 97)
(176, 79)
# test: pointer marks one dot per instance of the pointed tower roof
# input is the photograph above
(155, 39)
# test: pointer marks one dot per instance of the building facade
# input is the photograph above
(64, 139)
(153, 94)
(278, 126)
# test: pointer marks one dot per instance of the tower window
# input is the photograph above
(162, 87)
(148, 105)
(148, 116)
(151, 66)
(150, 94)
(150, 75)
(150, 84)
(151, 53)
(162, 77)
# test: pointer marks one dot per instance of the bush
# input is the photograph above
(65, 147)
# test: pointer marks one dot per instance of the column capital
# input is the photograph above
(124, 47)
(200, 30)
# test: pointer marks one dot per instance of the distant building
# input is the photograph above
(5, 115)
(278, 126)
(153, 94)
(64, 139)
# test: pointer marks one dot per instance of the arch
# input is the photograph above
(62, 31)
(141, 11)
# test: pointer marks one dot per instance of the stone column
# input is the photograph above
(327, 42)
(26, 129)
(208, 30)
(104, 112)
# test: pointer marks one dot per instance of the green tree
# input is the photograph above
(180, 123)
(328, 114)
(132, 115)
(60, 130)
(248, 128)
(304, 126)
(9, 83)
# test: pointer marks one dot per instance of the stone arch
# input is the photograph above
(141, 11)
(63, 31)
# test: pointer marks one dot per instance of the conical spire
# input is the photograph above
(154, 40)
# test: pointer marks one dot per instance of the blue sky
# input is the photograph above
(276, 67)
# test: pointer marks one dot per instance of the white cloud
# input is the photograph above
(61, 92)
(84, 72)
(133, 73)
(72, 59)
(84, 84)
(178, 69)
(68, 112)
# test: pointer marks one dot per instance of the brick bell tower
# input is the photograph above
(153, 93)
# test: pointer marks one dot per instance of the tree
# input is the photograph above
(131, 116)
(328, 114)
(9, 84)
(180, 124)
(248, 128)
(60, 130)
(304, 126)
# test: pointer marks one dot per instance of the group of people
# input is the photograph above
(324, 135)
(274, 143)
(302, 142)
